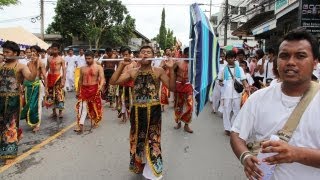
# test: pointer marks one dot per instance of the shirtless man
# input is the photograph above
(108, 67)
(12, 74)
(145, 119)
(125, 90)
(89, 93)
(56, 81)
(183, 95)
(33, 96)
(164, 92)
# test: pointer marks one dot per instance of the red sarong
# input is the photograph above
(92, 96)
(183, 97)
(52, 79)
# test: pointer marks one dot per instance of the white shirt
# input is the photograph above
(81, 61)
(23, 61)
(265, 112)
(227, 90)
(70, 62)
(249, 79)
(257, 74)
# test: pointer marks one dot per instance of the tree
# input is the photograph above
(8, 2)
(165, 38)
(95, 21)
(162, 37)
(170, 39)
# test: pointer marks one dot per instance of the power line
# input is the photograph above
(17, 19)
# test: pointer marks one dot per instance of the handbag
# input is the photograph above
(237, 85)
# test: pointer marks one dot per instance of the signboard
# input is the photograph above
(279, 5)
(310, 16)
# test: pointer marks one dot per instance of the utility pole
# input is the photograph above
(226, 19)
(42, 18)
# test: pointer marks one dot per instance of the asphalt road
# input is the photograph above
(104, 152)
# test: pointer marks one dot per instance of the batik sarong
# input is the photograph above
(164, 95)
(109, 90)
(125, 96)
(9, 113)
(92, 98)
(183, 101)
(145, 138)
(32, 109)
(56, 93)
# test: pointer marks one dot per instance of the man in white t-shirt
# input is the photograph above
(216, 92)
(267, 67)
(267, 110)
(70, 60)
(258, 76)
(230, 98)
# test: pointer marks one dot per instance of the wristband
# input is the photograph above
(245, 157)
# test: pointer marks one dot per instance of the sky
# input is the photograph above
(148, 17)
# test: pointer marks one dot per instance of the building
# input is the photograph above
(269, 20)
(236, 18)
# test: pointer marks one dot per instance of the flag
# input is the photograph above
(205, 50)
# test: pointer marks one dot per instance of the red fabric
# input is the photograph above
(184, 88)
(52, 79)
(88, 92)
(128, 83)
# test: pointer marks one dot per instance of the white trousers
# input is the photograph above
(83, 111)
(70, 80)
(216, 96)
(230, 105)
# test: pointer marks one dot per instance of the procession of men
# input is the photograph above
(139, 90)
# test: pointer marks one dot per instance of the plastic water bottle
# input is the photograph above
(267, 169)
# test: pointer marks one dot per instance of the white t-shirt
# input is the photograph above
(266, 111)
(70, 62)
(227, 90)
(257, 74)
(249, 79)
(81, 61)
(23, 61)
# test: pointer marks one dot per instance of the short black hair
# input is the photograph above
(124, 49)
(166, 49)
(186, 50)
(43, 51)
(301, 34)
(55, 45)
(230, 54)
(89, 53)
(271, 51)
(108, 49)
(14, 47)
(70, 49)
(259, 54)
(147, 47)
(37, 48)
(241, 51)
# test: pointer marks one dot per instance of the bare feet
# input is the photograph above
(95, 126)
(79, 129)
(36, 129)
(8, 161)
(187, 128)
(53, 115)
(178, 126)
(60, 115)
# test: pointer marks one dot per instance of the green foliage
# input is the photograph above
(165, 38)
(97, 21)
(8, 2)
(162, 37)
